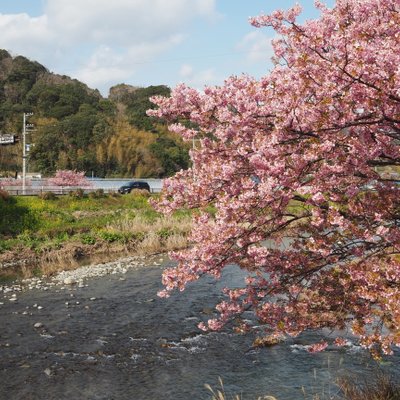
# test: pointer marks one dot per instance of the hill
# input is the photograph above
(77, 128)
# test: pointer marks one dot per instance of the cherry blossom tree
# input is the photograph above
(289, 180)
(70, 178)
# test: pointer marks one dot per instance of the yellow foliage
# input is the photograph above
(130, 148)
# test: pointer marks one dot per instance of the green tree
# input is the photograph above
(138, 103)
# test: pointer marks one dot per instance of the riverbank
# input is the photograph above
(41, 236)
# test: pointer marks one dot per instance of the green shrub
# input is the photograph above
(164, 233)
(109, 236)
(29, 240)
(150, 215)
(16, 217)
(47, 196)
(87, 238)
(5, 245)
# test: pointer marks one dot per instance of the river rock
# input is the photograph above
(69, 280)
(38, 325)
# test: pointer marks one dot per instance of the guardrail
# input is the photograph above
(58, 190)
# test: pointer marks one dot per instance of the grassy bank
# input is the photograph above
(43, 235)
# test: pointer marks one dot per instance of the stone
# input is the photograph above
(69, 281)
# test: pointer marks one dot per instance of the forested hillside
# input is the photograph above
(76, 128)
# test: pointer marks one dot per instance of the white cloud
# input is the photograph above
(115, 36)
(22, 33)
(186, 71)
(108, 66)
(198, 79)
(257, 46)
(124, 21)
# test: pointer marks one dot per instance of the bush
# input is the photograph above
(97, 194)
(164, 233)
(77, 194)
(140, 193)
(88, 239)
(100, 193)
(139, 236)
(114, 194)
(47, 196)
(110, 236)
(4, 195)
(17, 216)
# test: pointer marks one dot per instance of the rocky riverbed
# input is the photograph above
(79, 276)
(101, 332)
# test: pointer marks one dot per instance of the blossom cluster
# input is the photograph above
(288, 179)
(69, 178)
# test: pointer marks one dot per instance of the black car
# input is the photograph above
(134, 185)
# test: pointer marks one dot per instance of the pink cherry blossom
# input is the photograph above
(69, 178)
(289, 179)
(317, 347)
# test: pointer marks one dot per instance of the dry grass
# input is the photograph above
(140, 224)
(69, 256)
(220, 394)
(175, 242)
(380, 388)
(153, 244)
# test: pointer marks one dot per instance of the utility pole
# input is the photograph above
(24, 152)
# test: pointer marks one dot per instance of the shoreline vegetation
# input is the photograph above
(48, 234)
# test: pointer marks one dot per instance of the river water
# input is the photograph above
(115, 339)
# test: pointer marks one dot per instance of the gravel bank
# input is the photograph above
(79, 277)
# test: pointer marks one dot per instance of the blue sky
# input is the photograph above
(143, 42)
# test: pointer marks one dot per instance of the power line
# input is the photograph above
(198, 57)
(187, 58)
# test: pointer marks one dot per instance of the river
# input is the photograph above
(115, 339)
